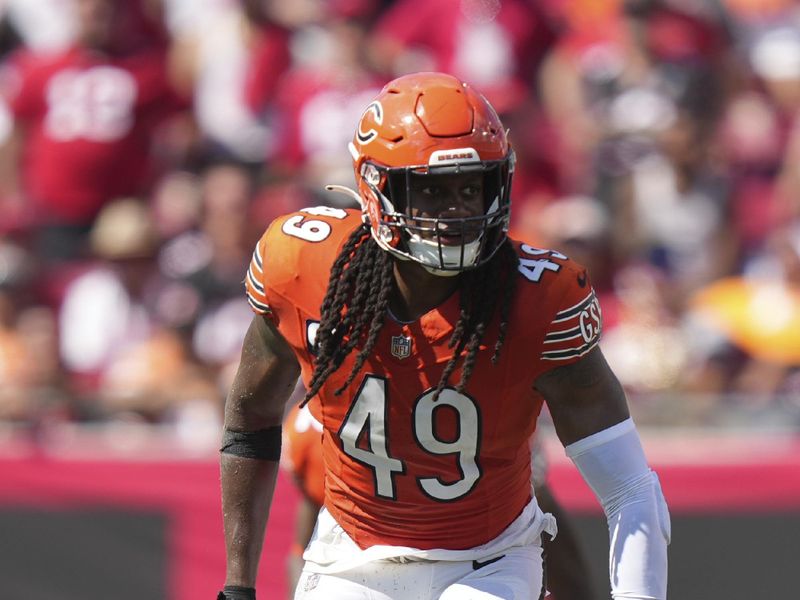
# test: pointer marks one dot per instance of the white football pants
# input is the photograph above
(515, 576)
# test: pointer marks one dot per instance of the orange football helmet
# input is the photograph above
(427, 124)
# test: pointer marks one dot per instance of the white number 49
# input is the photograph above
(534, 268)
(369, 412)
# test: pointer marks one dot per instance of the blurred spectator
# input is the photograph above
(673, 209)
(496, 46)
(53, 25)
(776, 59)
(319, 103)
(642, 339)
(646, 346)
(269, 56)
(43, 25)
(103, 312)
(580, 227)
(121, 328)
(619, 68)
(220, 328)
(780, 257)
(230, 55)
(539, 176)
(14, 402)
(176, 203)
(759, 134)
(650, 87)
(204, 264)
(156, 381)
(227, 191)
(32, 385)
(85, 119)
(209, 245)
(747, 325)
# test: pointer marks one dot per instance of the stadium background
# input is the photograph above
(657, 144)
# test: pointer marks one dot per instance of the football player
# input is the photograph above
(428, 341)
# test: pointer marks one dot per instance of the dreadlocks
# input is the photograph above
(362, 279)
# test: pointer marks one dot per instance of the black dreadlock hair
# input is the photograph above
(362, 278)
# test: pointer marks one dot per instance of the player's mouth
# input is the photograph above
(456, 236)
(451, 239)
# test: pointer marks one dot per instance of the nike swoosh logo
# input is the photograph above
(478, 564)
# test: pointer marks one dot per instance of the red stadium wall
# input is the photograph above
(186, 493)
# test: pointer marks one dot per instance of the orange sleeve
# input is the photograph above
(291, 263)
(577, 325)
(254, 280)
(571, 321)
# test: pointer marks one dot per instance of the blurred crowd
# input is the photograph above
(146, 144)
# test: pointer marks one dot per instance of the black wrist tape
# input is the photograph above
(237, 592)
(264, 444)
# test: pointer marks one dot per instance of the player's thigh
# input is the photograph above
(381, 580)
(314, 586)
(516, 576)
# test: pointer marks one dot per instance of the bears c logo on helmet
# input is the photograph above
(376, 109)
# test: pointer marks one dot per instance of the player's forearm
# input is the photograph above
(613, 464)
(639, 536)
(251, 445)
(248, 485)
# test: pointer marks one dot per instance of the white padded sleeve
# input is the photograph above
(612, 462)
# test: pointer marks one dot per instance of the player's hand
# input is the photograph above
(235, 592)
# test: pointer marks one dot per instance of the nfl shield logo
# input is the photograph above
(401, 346)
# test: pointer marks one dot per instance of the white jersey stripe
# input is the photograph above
(259, 307)
(254, 282)
(574, 306)
(562, 333)
(257, 260)
(563, 339)
(567, 354)
(566, 315)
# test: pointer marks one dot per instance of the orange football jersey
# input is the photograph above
(400, 468)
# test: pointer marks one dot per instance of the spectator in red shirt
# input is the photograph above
(495, 45)
(318, 102)
(84, 122)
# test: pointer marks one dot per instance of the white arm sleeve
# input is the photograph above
(612, 462)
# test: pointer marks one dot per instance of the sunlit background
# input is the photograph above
(146, 145)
